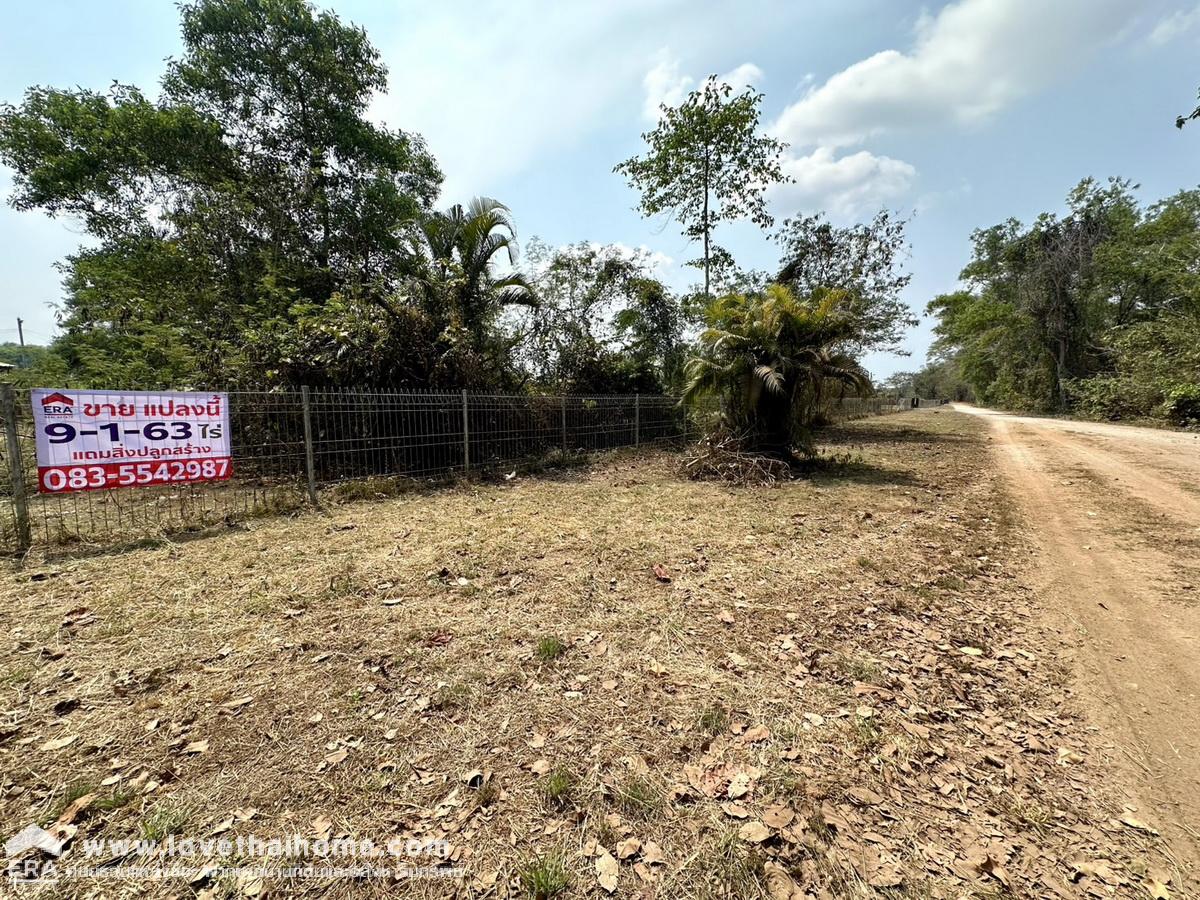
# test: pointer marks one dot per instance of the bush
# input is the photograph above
(1113, 397)
(1182, 405)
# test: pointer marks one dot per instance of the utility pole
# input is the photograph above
(21, 340)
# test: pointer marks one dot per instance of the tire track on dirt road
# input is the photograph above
(1135, 622)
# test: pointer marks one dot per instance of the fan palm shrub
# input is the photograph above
(772, 361)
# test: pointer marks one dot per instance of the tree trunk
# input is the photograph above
(773, 435)
(1060, 368)
(705, 226)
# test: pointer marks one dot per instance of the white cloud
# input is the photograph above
(666, 85)
(1173, 26)
(844, 186)
(659, 263)
(495, 86)
(743, 76)
(968, 62)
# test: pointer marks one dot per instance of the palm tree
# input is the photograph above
(458, 260)
(772, 361)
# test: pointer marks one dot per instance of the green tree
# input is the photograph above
(1093, 311)
(458, 267)
(603, 324)
(938, 379)
(864, 260)
(27, 359)
(253, 184)
(652, 326)
(706, 163)
(772, 361)
(1180, 121)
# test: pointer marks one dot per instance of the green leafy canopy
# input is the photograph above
(706, 163)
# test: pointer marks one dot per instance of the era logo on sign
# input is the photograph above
(57, 404)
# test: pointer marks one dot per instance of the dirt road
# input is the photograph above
(1115, 511)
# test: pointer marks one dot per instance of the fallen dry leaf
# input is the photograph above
(606, 870)
(197, 747)
(754, 832)
(250, 886)
(60, 743)
(780, 885)
(322, 827)
(865, 796)
(756, 734)
(778, 816)
(739, 786)
(78, 805)
(628, 848)
(1137, 824)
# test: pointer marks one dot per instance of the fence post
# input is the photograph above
(564, 424)
(683, 406)
(309, 459)
(466, 435)
(637, 419)
(8, 408)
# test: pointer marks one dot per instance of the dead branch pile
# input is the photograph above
(721, 457)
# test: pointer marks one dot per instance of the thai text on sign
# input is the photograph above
(98, 440)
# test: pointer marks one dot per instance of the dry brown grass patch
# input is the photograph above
(389, 667)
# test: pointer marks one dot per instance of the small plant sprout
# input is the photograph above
(163, 821)
(558, 787)
(544, 877)
(713, 720)
(550, 648)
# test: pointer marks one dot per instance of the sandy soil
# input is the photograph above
(1115, 512)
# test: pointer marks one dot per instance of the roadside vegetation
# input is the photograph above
(1095, 312)
(249, 225)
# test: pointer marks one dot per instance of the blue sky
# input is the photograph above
(962, 114)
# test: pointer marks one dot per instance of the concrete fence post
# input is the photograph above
(310, 463)
(564, 424)
(466, 425)
(8, 409)
(637, 419)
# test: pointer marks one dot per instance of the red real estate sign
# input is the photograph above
(98, 440)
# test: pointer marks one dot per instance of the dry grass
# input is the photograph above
(503, 667)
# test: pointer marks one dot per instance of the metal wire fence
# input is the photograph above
(292, 448)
